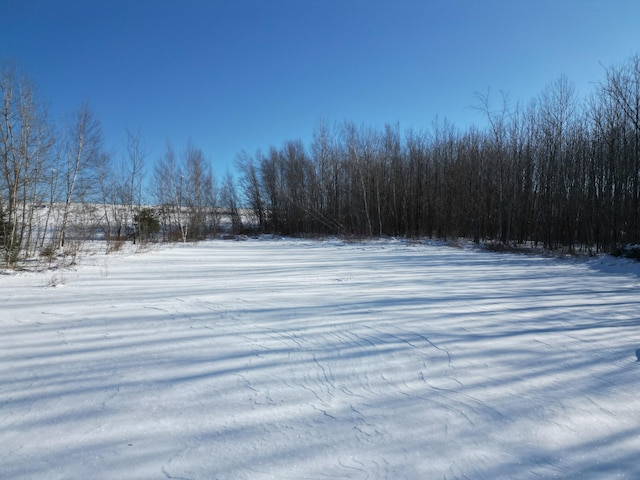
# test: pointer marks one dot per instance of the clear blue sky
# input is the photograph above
(246, 74)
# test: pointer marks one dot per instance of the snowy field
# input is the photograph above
(283, 359)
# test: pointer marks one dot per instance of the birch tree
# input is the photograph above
(79, 165)
(26, 143)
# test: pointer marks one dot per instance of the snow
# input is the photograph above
(275, 358)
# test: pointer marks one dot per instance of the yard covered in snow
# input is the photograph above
(296, 359)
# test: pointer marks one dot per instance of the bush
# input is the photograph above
(49, 252)
(148, 224)
(627, 251)
(8, 246)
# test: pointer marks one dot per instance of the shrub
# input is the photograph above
(148, 224)
(627, 251)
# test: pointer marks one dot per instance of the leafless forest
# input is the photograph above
(556, 171)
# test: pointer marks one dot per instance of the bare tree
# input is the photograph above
(200, 193)
(79, 166)
(623, 87)
(230, 202)
(167, 191)
(328, 207)
(250, 185)
(26, 143)
(358, 152)
(184, 188)
(130, 187)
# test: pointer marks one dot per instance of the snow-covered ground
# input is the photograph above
(292, 359)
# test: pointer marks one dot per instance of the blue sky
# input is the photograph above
(246, 74)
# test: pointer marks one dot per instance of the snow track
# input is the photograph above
(310, 360)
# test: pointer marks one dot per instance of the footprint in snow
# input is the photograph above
(638, 355)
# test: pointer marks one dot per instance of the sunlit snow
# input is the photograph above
(291, 359)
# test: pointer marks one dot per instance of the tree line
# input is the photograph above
(557, 171)
(60, 186)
